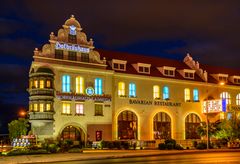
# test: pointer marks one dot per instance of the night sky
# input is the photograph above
(209, 30)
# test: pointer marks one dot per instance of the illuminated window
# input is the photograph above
(132, 90)
(35, 83)
(30, 107)
(156, 91)
(48, 107)
(121, 89)
(30, 84)
(238, 99)
(66, 108)
(98, 110)
(35, 107)
(195, 95)
(66, 83)
(41, 107)
(226, 95)
(48, 84)
(98, 86)
(41, 84)
(79, 84)
(187, 94)
(79, 109)
(165, 93)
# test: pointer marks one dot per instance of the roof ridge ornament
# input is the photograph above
(188, 60)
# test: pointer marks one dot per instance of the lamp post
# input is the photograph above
(221, 83)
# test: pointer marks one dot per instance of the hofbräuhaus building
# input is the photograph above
(77, 92)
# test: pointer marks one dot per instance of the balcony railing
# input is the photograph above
(41, 115)
(40, 92)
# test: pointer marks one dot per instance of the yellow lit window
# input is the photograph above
(41, 84)
(66, 108)
(30, 107)
(187, 94)
(48, 83)
(30, 84)
(35, 83)
(41, 107)
(238, 99)
(226, 95)
(35, 107)
(79, 84)
(48, 107)
(156, 91)
(121, 89)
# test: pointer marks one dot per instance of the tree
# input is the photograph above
(228, 129)
(17, 128)
(212, 129)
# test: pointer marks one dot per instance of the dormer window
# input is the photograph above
(236, 80)
(222, 78)
(167, 71)
(143, 68)
(188, 73)
(119, 65)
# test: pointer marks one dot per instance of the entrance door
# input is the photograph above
(162, 126)
(127, 125)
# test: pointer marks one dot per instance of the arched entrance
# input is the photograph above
(192, 121)
(127, 125)
(162, 126)
(73, 133)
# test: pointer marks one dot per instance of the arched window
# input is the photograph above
(162, 126)
(66, 83)
(192, 122)
(226, 96)
(165, 92)
(79, 84)
(121, 89)
(195, 95)
(156, 92)
(127, 125)
(187, 94)
(238, 99)
(132, 90)
(98, 86)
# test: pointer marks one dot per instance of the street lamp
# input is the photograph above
(22, 113)
(221, 83)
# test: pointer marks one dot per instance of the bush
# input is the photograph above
(201, 145)
(110, 145)
(75, 150)
(170, 146)
(53, 148)
(171, 142)
(126, 145)
(161, 146)
(117, 144)
(178, 147)
(24, 151)
(195, 144)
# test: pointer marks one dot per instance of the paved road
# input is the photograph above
(197, 158)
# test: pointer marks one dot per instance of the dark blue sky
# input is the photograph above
(209, 30)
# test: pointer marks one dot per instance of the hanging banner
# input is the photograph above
(214, 106)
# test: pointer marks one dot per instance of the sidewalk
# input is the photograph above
(98, 154)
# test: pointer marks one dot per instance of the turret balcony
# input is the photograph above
(41, 115)
(41, 92)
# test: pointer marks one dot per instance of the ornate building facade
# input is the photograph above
(79, 93)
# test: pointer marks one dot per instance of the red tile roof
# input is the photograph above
(159, 62)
